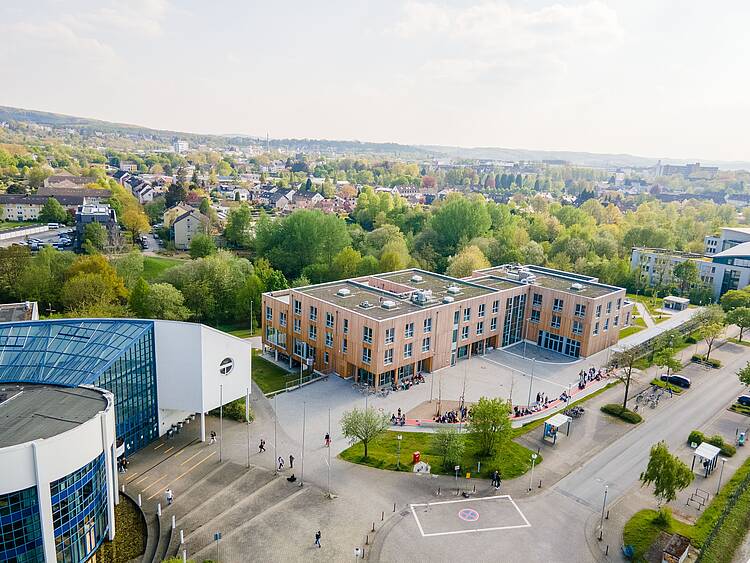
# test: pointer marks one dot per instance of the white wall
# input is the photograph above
(216, 347)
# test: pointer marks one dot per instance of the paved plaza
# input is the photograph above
(464, 516)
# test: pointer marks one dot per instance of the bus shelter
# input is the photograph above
(553, 425)
(708, 454)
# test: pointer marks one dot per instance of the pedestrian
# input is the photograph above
(262, 446)
(213, 437)
(494, 479)
(120, 468)
(125, 464)
(291, 461)
(170, 496)
(317, 538)
(328, 439)
(281, 463)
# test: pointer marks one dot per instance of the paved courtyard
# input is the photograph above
(468, 515)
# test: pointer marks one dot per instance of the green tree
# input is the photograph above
(489, 421)
(665, 358)
(164, 301)
(735, 298)
(465, 262)
(687, 274)
(363, 425)
(740, 317)
(114, 285)
(139, 299)
(744, 374)
(155, 210)
(346, 263)
(53, 212)
(709, 333)
(666, 472)
(459, 219)
(85, 290)
(130, 267)
(201, 246)
(627, 359)
(95, 238)
(449, 444)
(237, 230)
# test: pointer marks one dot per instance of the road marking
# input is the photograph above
(159, 446)
(132, 476)
(526, 523)
(169, 450)
(154, 483)
(141, 478)
(181, 476)
(191, 457)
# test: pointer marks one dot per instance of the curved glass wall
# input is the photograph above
(79, 512)
(20, 528)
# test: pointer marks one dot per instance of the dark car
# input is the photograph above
(676, 379)
(744, 400)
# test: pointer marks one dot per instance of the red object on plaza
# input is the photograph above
(415, 457)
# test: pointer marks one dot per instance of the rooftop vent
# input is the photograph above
(366, 305)
(343, 292)
(388, 304)
(454, 289)
(448, 299)
(421, 296)
(576, 286)
(417, 278)
(531, 278)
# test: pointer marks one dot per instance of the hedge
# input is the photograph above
(711, 362)
(624, 414)
(696, 436)
(234, 411)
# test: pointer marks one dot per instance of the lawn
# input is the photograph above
(240, 330)
(651, 304)
(740, 342)
(7, 225)
(642, 529)
(628, 330)
(268, 376)
(741, 409)
(511, 459)
(154, 266)
(664, 385)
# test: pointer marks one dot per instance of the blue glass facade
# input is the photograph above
(117, 355)
(20, 528)
(79, 511)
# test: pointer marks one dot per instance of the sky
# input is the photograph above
(665, 78)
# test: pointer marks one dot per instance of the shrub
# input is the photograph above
(624, 414)
(234, 411)
(711, 361)
(690, 339)
(664, 517)
(696, 436)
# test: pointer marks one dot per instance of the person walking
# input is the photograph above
(170, 496)
(327, 440)
(262, 446)
(291, 461)
(281, 463)
(317, 538)
(213, 437)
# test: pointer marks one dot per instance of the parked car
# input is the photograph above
(676, 379)
(744, 400)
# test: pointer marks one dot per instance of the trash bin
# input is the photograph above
(415, 457)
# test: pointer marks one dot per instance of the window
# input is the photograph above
(426, 344)
(388, 358)
(606, 325)
(535, 316)
(366, 355)
(537, 301)
(464, 333)
(555, 323)
(495, 306)
(269, 314)
(480, 328)
(282, 319)
(598, 311)
(409, 330)
(329, 339)
(455, 317)
(297, 307)
(580, 310)
(390, 335)
(329, 320)
(493, 324)
(609, 307)
(297, 326)
(367, 335)
(312, 332)
(616, 320)
(344, 345)
(346, 326)
(313, 313)
(619, 303)
(577, 327)
(428, 325)
(557, 305)
(481, 311)
(467, 314)
(407, 350)
(326, 357)
(596, 328)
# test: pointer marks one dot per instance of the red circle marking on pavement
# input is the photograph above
(468, 515)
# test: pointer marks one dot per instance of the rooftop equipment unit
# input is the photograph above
(576, 286)
(388, 304)
(453, 289)
(343, 292)
(448, 299)
(416, 278)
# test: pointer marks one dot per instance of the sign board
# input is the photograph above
(217, 536)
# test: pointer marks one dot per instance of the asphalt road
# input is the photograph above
(620, 465)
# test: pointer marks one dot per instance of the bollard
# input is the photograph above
(394, 507)
(600, 535)
(174, 523)
(184, 556)
(139, 499)
(367, 540)
(158, 509)
(607, 516)
(438, 491)
(182, 537)
(475, 489)
(382, 516)
(606, 552)
(363, 553)
(540, 483)
(123, 487)
(373, 526)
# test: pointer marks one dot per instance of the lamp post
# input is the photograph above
(398, 455)
(604, 504)
(531, 381)
(721, 474)
(531, 477)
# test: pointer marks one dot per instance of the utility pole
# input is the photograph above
(302, 469)
(221, 421)
(275, 417)
(329, 453)
(247, 422)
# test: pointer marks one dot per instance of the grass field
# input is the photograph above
(511, 459)
(628, 330)
(651, 304)
(642, 529)
(154, 266)
(268, 376)
(7, 225)
(240, 330)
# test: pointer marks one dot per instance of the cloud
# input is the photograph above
(54, 39)
(144, 17)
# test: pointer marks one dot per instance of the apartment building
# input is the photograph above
(386, 327)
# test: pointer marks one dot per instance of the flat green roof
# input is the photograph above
(548, 278)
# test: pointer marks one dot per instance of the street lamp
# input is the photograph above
(604, 504)
(531, 478)
(721, 474)
(398, 462)
(531, 381)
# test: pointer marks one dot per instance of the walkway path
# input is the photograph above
(644, 314)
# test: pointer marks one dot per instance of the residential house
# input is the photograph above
(90, 195)
(173, 212)
(186, 226)
(128, 166)
(303, 199)
(24, 207)
(87, 214)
